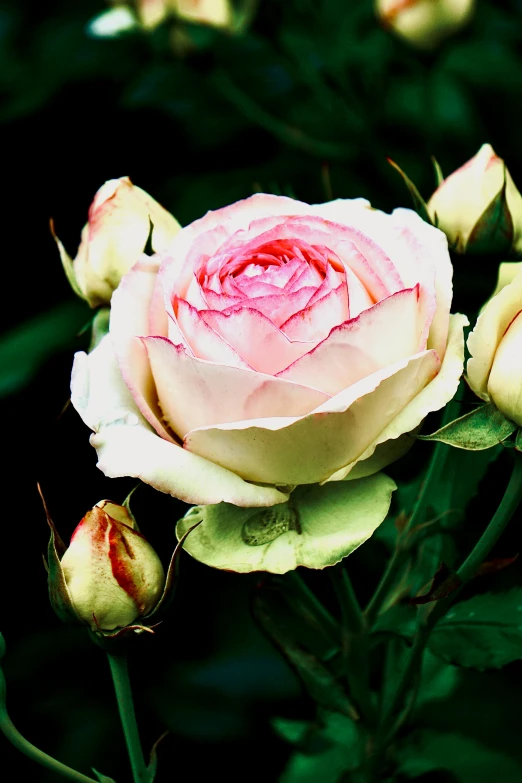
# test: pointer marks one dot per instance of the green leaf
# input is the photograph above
(493, 232)
(333, 749)
(24, 349)
(484, 632)
(317, 527)
(482, 428)
(293, 731)
(469, 760)
(418, 201)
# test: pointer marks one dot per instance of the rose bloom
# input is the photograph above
(494, 370)
(274, 344)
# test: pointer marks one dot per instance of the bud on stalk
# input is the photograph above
(424, 23)
(121, 219)
(479, 207)
(109, 577)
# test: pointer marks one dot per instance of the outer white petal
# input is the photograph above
(128, 446)
(392, 443)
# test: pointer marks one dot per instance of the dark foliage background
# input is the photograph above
(308, 103)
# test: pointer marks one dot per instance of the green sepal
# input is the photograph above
(58, 592)
(99, 327)
(518, 440)
(102, 778)
(152, 766)
(494, 231)
(482, 428)
(418, 202)
(67, 264)
(171, 578)
(315, 528)
(439, 176)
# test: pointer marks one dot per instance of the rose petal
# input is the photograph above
(382, 335)
(334, 521)
(127, 446)
(205, 342)
(417, 250)
(195, 393)
(129, 320)
(277, 308)
(433, 397)
(230, 219)
(256, 339)
(309, 449)
(489, 330)
(315, 322)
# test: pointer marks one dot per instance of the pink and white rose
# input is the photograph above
(274, 344)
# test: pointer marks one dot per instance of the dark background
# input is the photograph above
(308, 103)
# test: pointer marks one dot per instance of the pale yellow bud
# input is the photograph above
(494, 371)
(121, 219)
(462, 198)
(424, 23)
(113, 575)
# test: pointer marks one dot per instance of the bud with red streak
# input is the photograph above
(109, 577)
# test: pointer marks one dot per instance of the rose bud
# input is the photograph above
(494, 370)
(424, 23)
(109, 576)
(121, 219)
(475, 211)
(216, 13)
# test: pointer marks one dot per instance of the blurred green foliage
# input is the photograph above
(309, 103)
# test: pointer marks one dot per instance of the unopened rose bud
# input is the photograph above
(494, 370)
(474, 210)
(121, 219)
(424, 23)
(109, 577)
(216, 13)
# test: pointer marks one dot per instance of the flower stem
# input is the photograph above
(430, 614)
(28, 749)
(315, 606)
(354, 643)
(120, 677)
(433, 474)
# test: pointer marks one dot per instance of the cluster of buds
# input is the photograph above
(424, 23)
(109, 578)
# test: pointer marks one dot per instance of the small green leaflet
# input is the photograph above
(482, 428)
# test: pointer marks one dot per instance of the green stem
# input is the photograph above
(28, 749)
(354, 643)
(120, 677)
(315, 607)
(430, 614)
(401, 554)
